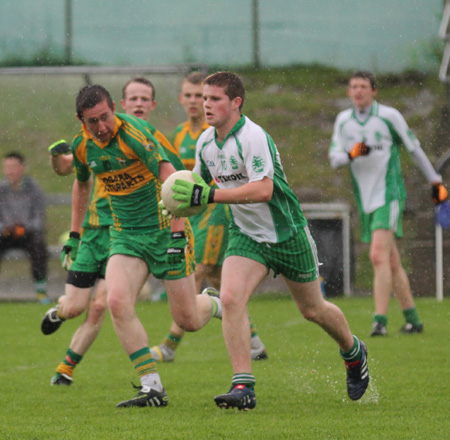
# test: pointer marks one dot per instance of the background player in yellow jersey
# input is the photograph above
(210, 227)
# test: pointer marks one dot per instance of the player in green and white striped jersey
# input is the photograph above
(268, 231)
(368, 137)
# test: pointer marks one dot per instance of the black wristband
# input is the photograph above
(211, 195)
(178, 234)
(74, 235)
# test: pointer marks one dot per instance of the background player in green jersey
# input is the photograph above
(368, 137)
(121, 151)
(268, 231)
(86, 263)
(210, 227)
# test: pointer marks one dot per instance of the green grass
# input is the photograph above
(300, 389)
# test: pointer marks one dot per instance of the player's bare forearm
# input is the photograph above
(253, 192)
(81, 192)
(177, 224)
(165, 170)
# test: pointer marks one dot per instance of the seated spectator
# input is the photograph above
(22, 219)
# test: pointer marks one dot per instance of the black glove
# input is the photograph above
(359, 149)
(59, 147)
(70, 250)
(177, 248)
(439, 193)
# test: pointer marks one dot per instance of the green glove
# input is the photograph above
(193, 194)
(59, 147)
(177, 248)
(70, 250)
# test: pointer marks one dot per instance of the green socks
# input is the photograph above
(380, 318)
(246, 379)
(172, 341)
(143, 362)
(354, 354)
(411, 316)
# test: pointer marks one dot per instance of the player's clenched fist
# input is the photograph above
(359, 149)
(59, 147)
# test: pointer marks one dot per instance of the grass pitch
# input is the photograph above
(300, 390)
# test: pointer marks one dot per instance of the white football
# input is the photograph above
(170, 203)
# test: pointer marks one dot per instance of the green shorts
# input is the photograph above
(387, 217)
(93, 251)
(211, 234)
(295, 258)
(151, 247)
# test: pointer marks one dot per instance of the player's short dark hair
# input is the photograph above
(365, 75)
(91, 95)
(15, 155)
(140, 80)
(232, 84)
(195, 78)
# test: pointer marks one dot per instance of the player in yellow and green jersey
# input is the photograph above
(210, 227)
(131, 166)
(86, 259)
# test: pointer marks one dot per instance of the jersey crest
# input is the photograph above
(258, 164)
